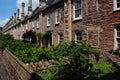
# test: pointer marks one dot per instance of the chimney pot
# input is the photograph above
(23, 13)
(42, 3)
(14, 17)
(18, 14)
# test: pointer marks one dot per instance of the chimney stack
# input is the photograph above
(23, 11)
(14, 17)
(29, 7)
(18, 14)
(42, 3)
(12, 20)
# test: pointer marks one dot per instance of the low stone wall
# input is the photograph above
(43, 66)
(18, 69)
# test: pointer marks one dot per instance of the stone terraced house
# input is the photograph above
(96, 22)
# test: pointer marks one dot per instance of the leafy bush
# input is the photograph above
(105, 70)
(4, 40)
(80, 66)
(29, 35)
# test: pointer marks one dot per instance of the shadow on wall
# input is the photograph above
(34, 76)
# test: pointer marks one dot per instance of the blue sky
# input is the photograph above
(9, 7)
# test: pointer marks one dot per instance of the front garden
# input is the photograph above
(81, 65)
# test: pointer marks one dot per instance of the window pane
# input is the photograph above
(77, 4)
(48, 19)
(118, 28)
(118, 46)
(118, 34)
(77, 8)
(79, 37)
(118, 3)
(57, 15)
(60, 37)
(118, 40)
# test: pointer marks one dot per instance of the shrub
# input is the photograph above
(106, 70)
(80, 66)
(29, 35)
(5, 39)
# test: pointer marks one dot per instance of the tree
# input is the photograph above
(29, 36)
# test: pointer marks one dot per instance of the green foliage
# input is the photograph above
(43, 35)
(52, 74)
(5, 39)
(80, 66)
(59, 51)
(105, 68)
(27, 52)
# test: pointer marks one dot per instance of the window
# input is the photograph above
(117, 37)
(37, 23)
(78, 37)
(48, 19)
(26, 26)
(23, 30)
(60, 37)
(33, 24)
(57, 16)
(116, 4)
(77, 9)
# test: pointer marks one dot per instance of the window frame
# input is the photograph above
(57, 16)
(115, 5)
(38, 23)
(76, 37)
(60, 39)
(80, 15)
(116, 37)
(33, 24)
(26, 26)
(48, 19)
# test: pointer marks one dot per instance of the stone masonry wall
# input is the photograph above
(15, 68)
(43, 66)
(97, 23)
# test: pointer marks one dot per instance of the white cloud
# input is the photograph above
(35, 3)
(3, 22)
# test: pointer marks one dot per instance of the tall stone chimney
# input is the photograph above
(18, 14)
(12, 20)
(42, 3)
(15, 18)
(23, 11)
(29, 7)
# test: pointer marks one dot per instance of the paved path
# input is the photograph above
(3, 72)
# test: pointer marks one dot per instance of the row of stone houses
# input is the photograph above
(96, 22)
